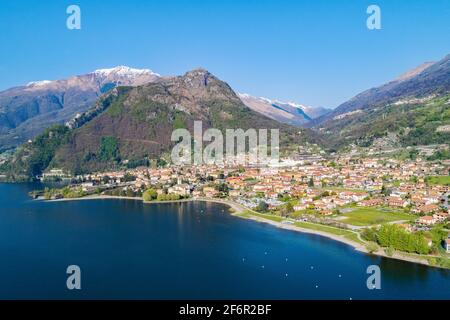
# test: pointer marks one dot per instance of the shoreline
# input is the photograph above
(239, 210)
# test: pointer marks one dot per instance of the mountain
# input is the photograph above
(26, 111)
(411, 110)
(285, 112)
(130, 124)
(425, 82)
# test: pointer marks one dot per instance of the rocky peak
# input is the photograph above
(198, 77)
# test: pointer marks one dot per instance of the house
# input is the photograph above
(300, 207)
(447, 245)
(371, 202)
(427, 220)
(397, 202)
(180, 189)
(341, 202)
(235, 193)
(210, 192)
(428, 208)
(441, 216)
(353, 196)
(262, 188)
(197, 193)
(326, 212)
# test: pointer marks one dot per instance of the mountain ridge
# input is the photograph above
(27, 110)
(136, 123)
(426, 80)
(410, 108)
(285, 112)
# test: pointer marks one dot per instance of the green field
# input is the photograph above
(364, 216)
(441, 180)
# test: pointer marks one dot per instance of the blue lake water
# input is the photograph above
(129, 250)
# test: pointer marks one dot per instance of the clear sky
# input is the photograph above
(316, 52)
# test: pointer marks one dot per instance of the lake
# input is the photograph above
(130, 250)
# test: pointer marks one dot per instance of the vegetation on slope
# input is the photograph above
(411, 124)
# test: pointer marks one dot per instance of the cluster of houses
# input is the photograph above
(319, 185)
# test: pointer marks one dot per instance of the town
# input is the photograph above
(347, 196)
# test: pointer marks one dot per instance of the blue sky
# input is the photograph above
(317, 52)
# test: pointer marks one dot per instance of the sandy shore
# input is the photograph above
(239, 209)
(357, 246)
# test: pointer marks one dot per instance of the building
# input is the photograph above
(371, 202)
(441, 216)
(55, 173)
(235, 193)
(428, 208)
(427, 220)
(180, 189)
(397, 202)
(210, 192)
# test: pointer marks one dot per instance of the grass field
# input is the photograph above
(441, 180)
(364, 216)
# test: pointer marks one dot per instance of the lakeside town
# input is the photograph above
(398, 205)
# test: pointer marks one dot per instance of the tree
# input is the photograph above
(385, 191)
(311, 183)
(262, 207)
(288, 209)
(389, 251)
(222, 188)
(130, 193)
(109, 149)
(150, 195)
(372, 247)
(370, 234)
(397, 238)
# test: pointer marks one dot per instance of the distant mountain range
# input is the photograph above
(429, 79)
(134, 123)
(285, 112)
(118, 114)
(414, 107)
(26, 111)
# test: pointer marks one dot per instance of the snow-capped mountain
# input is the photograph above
(123, 73)
(287, 112)
(120, 75)
(27, 110)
